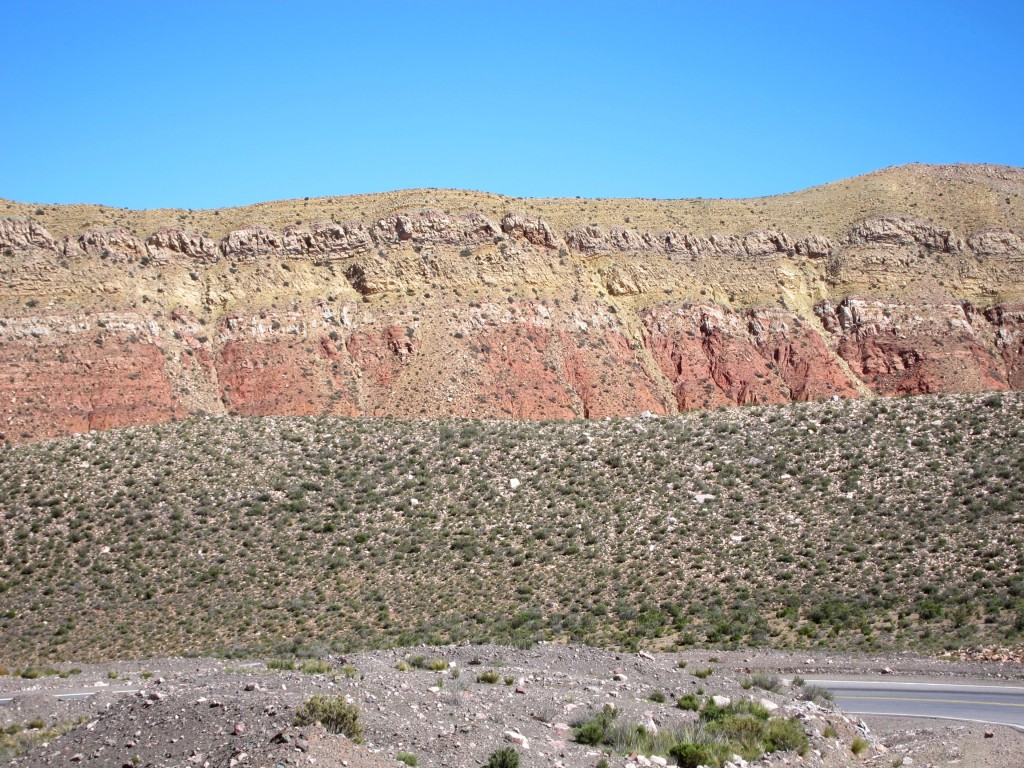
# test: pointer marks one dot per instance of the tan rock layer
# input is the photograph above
(333, 240)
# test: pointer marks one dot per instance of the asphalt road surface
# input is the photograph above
(994, 704)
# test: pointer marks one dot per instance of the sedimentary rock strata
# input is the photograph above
(429, 312)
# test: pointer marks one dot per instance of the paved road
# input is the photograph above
(995, 704)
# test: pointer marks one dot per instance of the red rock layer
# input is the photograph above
(1009, 340)
(97, 380)
(910, 349)
(713, 358)
(502, 360)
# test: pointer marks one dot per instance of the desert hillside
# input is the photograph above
(437, 303)
(854, 524)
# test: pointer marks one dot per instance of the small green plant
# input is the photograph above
(764, 681)
(437, 665)
(33, 673)
(402, 666)
(336, 715)
(658, 697)
(112, 674)
(681, 664)
(16, 739)
(287, 665)
(798, 682)
(816, 693)
(509, 680)
(408, 758)
(859, 745)
(594, 730)
(689, 702)
(315, 667)
(704, 673)
(713, 712)
(506, 757)
(693, 755)
(830, 732)
(488, 676)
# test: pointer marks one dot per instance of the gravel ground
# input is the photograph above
(211, 712)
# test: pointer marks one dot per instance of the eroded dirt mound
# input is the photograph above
(450, 706)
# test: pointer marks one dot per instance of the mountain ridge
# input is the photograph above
(562, 213)
(434, 310)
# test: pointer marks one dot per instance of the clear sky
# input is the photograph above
(205, 104)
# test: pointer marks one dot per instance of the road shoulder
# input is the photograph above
(941, 743)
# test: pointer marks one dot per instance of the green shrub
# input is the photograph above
(336, 715)
(594, 730)
(315, 667)
(703, 673)
(746, 727)
(658, 697)
(408, 758)
(689, 702)
(506, 757)
(488, 676)
(33, 673)
(692, 755)
(859, 745)
(287, 665)
(713, 713)
(765, 682)
(589, 733)
(784, 734)
(816, 693)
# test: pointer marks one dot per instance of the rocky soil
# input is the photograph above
(207, 712)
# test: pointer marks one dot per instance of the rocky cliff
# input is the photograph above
(492, 308)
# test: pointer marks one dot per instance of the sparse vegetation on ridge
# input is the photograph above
(864, 524)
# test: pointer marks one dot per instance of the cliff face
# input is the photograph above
(425, 312)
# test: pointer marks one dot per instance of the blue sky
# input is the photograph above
(197, 105)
